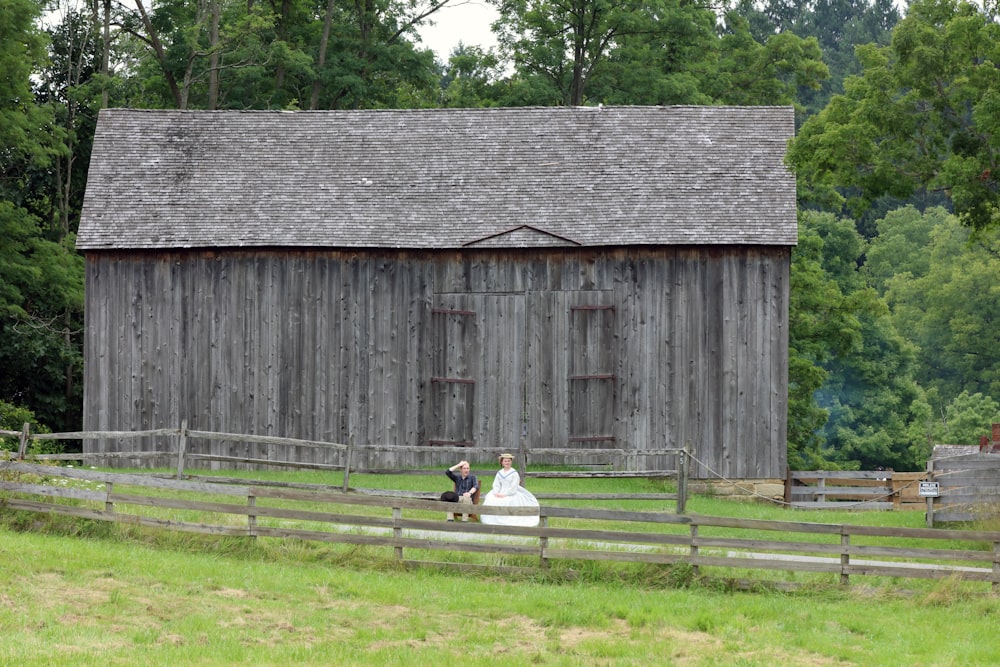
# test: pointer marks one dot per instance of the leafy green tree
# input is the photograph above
(900, 249)
(775, 71)
(472, 78)
(924, 114)
(68, 86)
(560, 46)
(662, 52)
(664, 55)
(853, 398)
(967, 418)
(22, 49)
(811, 294)
(279, 55)
(819, 328)
(878, 412)
(839, 26)
(942, 291)
(41, 276)
(41, 305)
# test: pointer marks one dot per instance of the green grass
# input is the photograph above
(92, 593)
(116, 600)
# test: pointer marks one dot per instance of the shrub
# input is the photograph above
(13, 418)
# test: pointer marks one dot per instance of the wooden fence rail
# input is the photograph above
(182, 454)
(184, 434)
(414, 530)
(969, 489)
(853, 489)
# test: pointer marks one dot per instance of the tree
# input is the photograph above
(564, 44)
(22, 48)
(664, 52)
(839, 26)
(924, 114)
(819, 328)
(41, 276)
(41, 309)
(773, 72)
(667, 58)
(942, 292)
(68, 86)
(853, 399)
(967, 418)
(472, 78)
(900, 249)
(282, 54)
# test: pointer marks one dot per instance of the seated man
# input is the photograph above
(466, 486)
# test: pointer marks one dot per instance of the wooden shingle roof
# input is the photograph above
(440, 178)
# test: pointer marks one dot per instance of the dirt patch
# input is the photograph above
(231, 593)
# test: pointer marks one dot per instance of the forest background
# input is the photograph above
(893, 329)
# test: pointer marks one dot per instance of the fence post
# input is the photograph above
(251, 515)
(995, 581)
(896, 490)
(845, 558)
(930, 499)
(22, 448)
(109, 505)
(347, 462)
(543, 542)
(694, 548)
(682, 480)
(181, 446)
(397, 532)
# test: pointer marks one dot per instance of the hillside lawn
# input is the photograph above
(89, 593)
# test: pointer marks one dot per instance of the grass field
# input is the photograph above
(81, 593)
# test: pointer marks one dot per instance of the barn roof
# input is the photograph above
(440, 178)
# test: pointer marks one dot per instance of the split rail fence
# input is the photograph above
(413, 530)
(854, 489)
(181, 451)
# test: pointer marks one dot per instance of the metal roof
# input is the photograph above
(440, 178)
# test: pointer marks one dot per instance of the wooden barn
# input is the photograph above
(612, 277)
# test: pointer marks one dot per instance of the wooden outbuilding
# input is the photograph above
(611, 277)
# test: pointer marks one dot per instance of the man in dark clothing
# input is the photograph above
(466, 486)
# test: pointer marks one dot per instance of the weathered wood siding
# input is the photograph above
(969, 487)
(639, 348)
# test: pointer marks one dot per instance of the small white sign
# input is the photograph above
(930, 489)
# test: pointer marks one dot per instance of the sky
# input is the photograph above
(468, 21)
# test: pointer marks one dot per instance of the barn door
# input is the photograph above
(477, 370)
(455, 334)
(539, 365)
(572, 365)
(591, 379)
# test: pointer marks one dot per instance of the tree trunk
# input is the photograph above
(105, 51)
(280, 70)
(213, 59)
(321, 60)
(161, 56)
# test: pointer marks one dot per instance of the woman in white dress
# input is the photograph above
(508, 492)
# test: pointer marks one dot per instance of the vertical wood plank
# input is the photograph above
(318, 344)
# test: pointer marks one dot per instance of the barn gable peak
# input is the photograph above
(522, 236)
